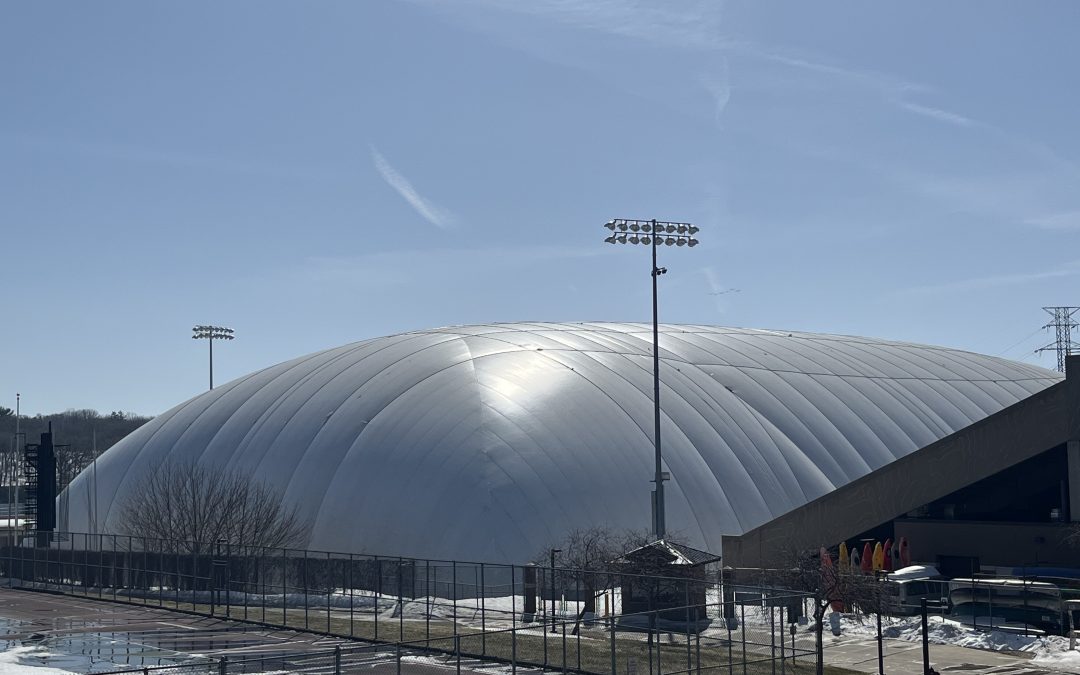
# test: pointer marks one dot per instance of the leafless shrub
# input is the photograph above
(828, 584)
(189, 504)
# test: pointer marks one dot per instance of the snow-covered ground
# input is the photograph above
(27, 660)
(1049, 650)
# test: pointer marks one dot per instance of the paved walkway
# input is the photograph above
(905, 658)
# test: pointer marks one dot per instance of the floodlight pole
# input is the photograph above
(211, 333)
(682, 234)
(659, 521)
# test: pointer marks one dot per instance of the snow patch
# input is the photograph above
(14, 662)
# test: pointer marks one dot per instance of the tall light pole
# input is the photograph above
(654, 233)
(211, 333)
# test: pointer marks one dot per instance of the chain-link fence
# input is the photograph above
(621, 620)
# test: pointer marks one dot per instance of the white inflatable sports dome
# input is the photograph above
(490, 442)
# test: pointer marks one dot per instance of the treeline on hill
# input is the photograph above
(80, 430)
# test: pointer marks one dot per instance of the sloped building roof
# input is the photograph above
(491, 441)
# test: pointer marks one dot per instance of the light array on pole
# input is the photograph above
(654, 233)
(625, 231)
(211, 333)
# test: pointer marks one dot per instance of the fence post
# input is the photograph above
(483, 613)
(112, 562)
(261, 580)
(329, 588)
(772, 635)
(223, 665)
(337, 660)
(285, 587)
(783, 666)
(926, 636)
(742, 627)
(378, 592)
(580, 617)
(728, 618)
(398, 659)
(689, 657)
(612, 624)
(513, 621)
(228, 579)
(564, 644)
(457, 648)
(401, 599)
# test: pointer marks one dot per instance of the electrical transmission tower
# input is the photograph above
(1063, 325)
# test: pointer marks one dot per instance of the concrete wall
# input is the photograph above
(1015, 544)
(1021, 431)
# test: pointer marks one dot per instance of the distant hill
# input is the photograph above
(75, 428)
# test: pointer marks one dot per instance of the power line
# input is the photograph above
(1018, 342)
(1063, 325)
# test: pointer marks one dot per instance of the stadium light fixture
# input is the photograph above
(211, 333)
(656, 233)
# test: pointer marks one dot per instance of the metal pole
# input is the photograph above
(401, 599)
(783, 668)
(564, 647)
(513, 621)
(611, 618)
(742, 634)
(659, 524)
(880, 645)
(727, 624)
(211, 341)
(772, 638)
(483, 613)
(689, 656)
(926, 639)
(553, 552)
(428, 599)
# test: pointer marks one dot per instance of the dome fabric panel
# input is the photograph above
(490, 442)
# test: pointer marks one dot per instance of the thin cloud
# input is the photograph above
(165, 157)
(938, 114)
(994, 281)
(398, 268)
(688, 24)
(1068, 220)
(719, 87)
(435, 215)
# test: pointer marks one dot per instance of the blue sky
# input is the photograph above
(312, 174)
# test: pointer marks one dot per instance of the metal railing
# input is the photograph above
(540, 617)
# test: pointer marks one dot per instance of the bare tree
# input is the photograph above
(188, 504)
(828, 583)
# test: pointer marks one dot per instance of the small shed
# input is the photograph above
(665, 577)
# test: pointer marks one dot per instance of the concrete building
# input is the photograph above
(1004, 491)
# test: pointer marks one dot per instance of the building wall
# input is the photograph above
(1005, 544)
(1019, 432)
